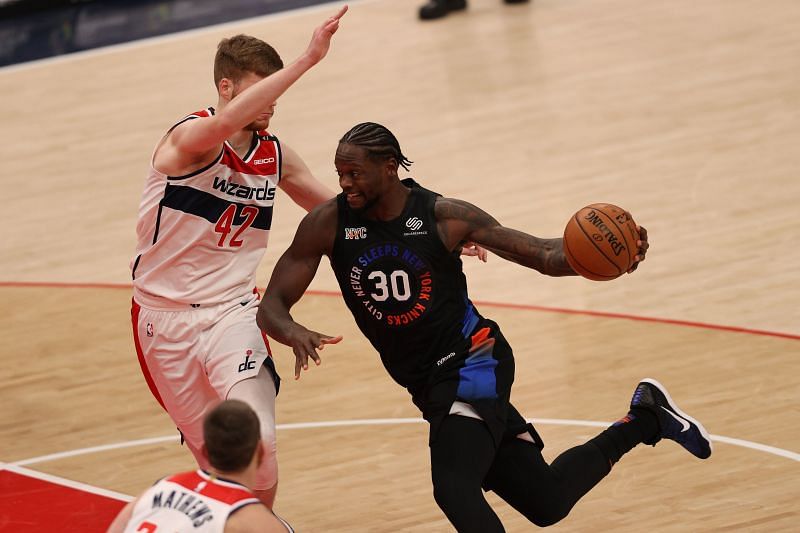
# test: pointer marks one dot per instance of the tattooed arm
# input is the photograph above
(460, 221)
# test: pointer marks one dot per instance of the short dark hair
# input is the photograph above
(378, 141)
(240, 54)
(231, 431)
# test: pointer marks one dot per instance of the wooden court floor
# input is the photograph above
(686, 113)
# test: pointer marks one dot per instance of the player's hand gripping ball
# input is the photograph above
(600, 242)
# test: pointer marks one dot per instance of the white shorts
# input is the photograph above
(192, 357)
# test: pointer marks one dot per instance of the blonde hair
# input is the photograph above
(240, 54)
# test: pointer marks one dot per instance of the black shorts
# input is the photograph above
(481, 377)
(270, 364)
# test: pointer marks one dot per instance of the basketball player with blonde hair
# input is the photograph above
(203, 227)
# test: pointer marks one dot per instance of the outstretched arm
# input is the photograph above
(461, 221)
(292, 275)
(202, 139)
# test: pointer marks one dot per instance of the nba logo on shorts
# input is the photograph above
(149, 329)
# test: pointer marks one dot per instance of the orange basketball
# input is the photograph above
(600, 241)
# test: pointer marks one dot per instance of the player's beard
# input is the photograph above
(257, 125)
(368, 204)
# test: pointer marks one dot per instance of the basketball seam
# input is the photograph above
(592, 241)
(575, 259)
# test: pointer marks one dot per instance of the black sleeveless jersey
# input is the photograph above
(406, 291)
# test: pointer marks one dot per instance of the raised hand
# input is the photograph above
(321, 40)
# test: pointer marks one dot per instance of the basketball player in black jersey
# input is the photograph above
(394, 247)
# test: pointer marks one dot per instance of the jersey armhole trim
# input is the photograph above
(242, 504)
(199, 170)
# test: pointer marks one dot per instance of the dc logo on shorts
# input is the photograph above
(149, 329)
(248, 364)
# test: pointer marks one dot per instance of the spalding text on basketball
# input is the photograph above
(616, 245)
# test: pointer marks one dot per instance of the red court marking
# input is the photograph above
(65, 285)
(526, 307)
(30, 505)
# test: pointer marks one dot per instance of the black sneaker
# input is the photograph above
(435, 9)
(674, 424)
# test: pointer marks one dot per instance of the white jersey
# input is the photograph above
(191, 501)
(201, 236)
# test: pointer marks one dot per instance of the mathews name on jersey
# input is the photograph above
(191, 501)
(201, 236)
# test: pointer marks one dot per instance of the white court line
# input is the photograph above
(95, 449)
(158, 39)
(19, 469)
(389, 421)
(65, 482)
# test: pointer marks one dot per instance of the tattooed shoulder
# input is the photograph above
(453, 209)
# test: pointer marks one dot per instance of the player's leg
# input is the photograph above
(239, 366)
(166, 349)
(259, 393)
(461, 455)
(546, 493)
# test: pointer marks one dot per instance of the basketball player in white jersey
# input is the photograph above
(216, 500)
(202, 230)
